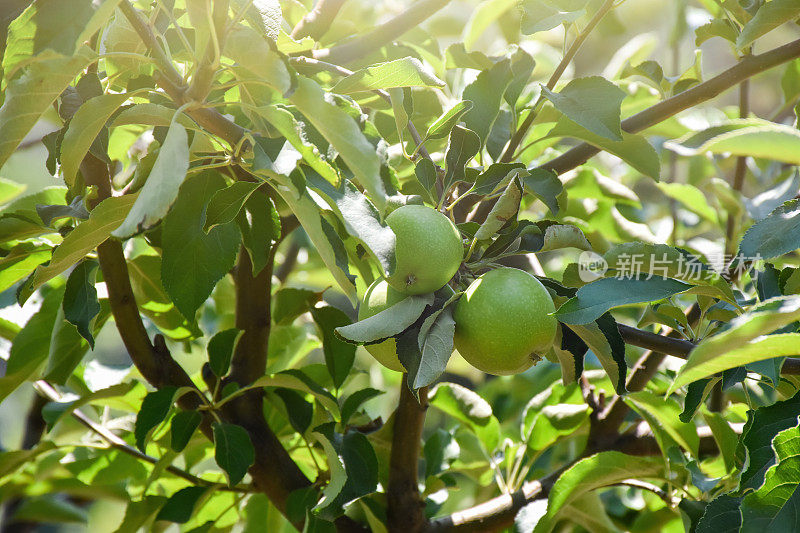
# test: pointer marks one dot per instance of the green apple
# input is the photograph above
(503, 321)
(428, 249)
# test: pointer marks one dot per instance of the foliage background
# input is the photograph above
(665, 32)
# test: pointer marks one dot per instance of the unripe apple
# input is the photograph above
(503, 321)
(428, 249)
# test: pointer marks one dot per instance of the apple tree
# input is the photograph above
(430, 266)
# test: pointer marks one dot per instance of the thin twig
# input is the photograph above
(381, 35)
(47, 391)
(746, 68)
(318, 21)
(316, 65)
(519, 135)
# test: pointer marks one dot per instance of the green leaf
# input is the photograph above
(775, 235)
(260, 230)
(189, 283)
(145, 275)
(284, 122)
(182, 427)
(486, 95)
(594, 299)
(28, 96)
(82, 130)
(80, 299)
(53, 25)
(297, 380)
(67, 349)
(663, 418)
(355, 400)
(405, 72)
(161, 188)
(288, 303)
(324, 238)
(426, 173)
(725, 437)
(560, 236)
(155, 408)
(339, 129)
(50, 213)
(721, 514)
(482, 17)
(593, 102)
(325, 436)
(252, 51)
(716, 28)
(633, 149)
(504, 210)
(552, 415)
(10, 190)
(361, 219)
(233, 451)
(435, 344)
(50, 508)
(599, 470)
(497, 176)
(744, 341)
(265, 15)
(541, 15)
(83, 239)
(545, 185)
(402, 106)
(443, 125)
(360, 465)
(461, 403)
(768, 17)
(603, 338)
(463, 145)
(220, 350)
(388, 322)
(760, 349)
(31, 345)
(226, 203)
(180, 506)
(762, 426)
(20, 262)
(138, 513)
(339, 355)
(743, 137)
(692, 199)
(54, 412)
(298, 410)
(456, 56)
(696, 393)
(774, 506)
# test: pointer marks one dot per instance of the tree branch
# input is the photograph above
(746, 68)
(48, 392)
(681, 348)
(499, 512)
(388, 31)
(253, 317)
(319, 20)
(315, 65)
(406, 510)
(172, 82)
(519, 135)
(34, 429)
